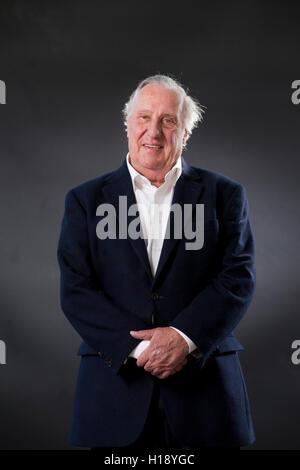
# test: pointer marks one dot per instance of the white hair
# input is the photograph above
(192, 110)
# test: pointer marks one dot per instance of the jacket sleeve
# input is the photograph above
(217, 309)
(99, 322)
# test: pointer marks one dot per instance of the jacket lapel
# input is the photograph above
(188, 190)
(121, 185)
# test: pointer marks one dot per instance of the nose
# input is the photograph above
(154, 128)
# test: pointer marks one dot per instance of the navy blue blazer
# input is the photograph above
(107, 289)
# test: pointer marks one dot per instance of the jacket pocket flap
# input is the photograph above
(84, 348)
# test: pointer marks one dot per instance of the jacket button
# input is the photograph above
(155, 296)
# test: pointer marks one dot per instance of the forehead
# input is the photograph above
(157, 98)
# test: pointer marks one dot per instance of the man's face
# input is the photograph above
(155, 129)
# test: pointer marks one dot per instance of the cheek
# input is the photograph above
(138, 132)
(175, 139)
(134, 135)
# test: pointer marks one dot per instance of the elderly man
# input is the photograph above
(159, 363)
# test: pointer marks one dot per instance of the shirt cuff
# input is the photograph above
(190, 343)
(139, 349)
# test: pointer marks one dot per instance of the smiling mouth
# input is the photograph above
(153, 146)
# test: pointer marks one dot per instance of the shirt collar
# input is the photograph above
(172, 175)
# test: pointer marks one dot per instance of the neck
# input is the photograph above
(156, 177)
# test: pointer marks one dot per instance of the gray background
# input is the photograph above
(68, 68)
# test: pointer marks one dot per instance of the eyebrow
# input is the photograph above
(149, 111)
(144, 111)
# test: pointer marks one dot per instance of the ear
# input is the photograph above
(126, 129)
(185, 136)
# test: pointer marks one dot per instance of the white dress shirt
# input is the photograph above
(154, 207)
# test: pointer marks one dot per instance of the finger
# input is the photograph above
(143, 358)
(151, 366)
(142, 334)
(148, 355)
(148, 367)
(157, 371)
(181, 364)
(166, 363)
(164, 374)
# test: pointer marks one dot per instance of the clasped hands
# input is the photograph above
(166, 353)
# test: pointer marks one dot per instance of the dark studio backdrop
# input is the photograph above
(68, 67)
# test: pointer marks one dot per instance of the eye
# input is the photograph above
(169, 121)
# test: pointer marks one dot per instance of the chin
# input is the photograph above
(153, 163)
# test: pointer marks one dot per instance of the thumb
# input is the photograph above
(144, 334)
